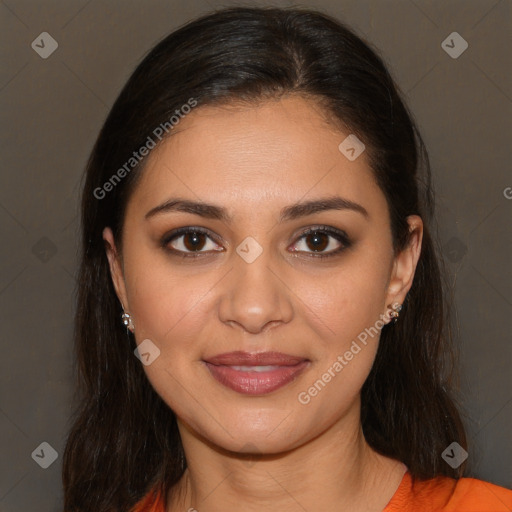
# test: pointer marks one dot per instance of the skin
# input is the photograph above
(254, 161)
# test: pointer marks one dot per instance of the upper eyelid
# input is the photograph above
(179, 232)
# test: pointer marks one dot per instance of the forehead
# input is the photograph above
(255, 157)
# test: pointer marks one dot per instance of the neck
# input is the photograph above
(336, 471)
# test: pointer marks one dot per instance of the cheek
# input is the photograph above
(342, 303)
(169, 309)
(351, 307)
(164, 302)
(172, 308)
(349, 304)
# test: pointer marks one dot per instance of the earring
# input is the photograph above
(395, 313)
(127, 320)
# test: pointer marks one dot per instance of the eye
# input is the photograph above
(190, 240)
(322, 242)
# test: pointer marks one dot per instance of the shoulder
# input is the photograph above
(473, 494)
(443, 494)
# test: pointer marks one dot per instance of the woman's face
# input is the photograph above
(251, 282)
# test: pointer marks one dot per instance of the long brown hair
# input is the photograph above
(124, 438)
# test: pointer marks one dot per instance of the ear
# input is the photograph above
(405, 262)
(116, 267)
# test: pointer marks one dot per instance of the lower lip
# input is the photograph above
(255, 383)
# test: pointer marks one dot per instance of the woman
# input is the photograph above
(260, 318)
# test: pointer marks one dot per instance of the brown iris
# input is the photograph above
(194, 241)
(319, 241)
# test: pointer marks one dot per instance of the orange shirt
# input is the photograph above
(441, 494)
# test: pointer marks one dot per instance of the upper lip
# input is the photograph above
(255, 359)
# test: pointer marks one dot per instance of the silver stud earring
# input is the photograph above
(127, 321)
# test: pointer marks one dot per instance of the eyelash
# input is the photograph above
(339, 235)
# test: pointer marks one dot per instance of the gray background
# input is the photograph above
(52, 111)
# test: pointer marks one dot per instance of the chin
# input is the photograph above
(244, 433)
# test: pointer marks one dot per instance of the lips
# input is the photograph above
(255, 374)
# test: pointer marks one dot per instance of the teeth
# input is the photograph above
(254, 368)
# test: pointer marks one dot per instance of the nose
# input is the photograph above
(254, 296)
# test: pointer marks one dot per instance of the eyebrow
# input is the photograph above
(288, 213)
